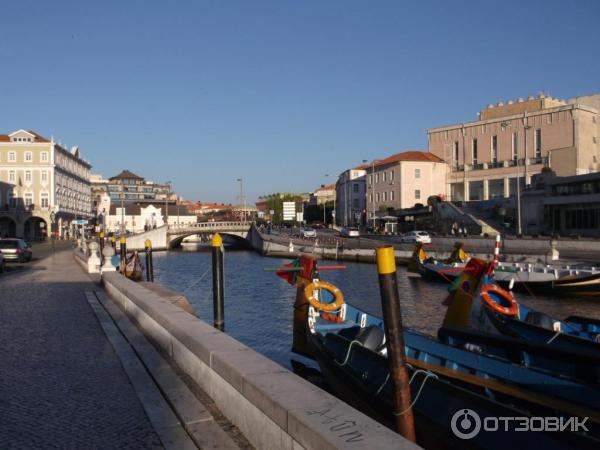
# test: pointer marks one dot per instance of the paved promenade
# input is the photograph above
(61, 384)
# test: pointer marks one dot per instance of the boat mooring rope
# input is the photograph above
(348, 353)
(428, 375)
(558, 333)
(197, 281)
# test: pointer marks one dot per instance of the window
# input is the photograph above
(391, 175)
(417, 194)
(515, 146)
(494, 150)
(11, 176)
(44, 176)
(482, 129)
(474, 151)
(28, 156)
(28, 176)
(391, 196)
(376, 178)
(377, 197)
(455, 154)
(383, 177)
(385, 196)
(12, 201)
(355, 187)
(12, 156)
(44, 156)
(44, 200)
(538, 143)
(370, 198)
(548, 119)
(28, 199)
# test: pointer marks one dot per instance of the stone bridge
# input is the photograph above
(176, 234)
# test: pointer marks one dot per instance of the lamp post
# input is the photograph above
(242, 199)
(122, 208)
(168, 185)
(505, 125)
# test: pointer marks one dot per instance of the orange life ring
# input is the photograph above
(511, 310)
(337, 295)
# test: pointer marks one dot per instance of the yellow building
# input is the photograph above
(43, 186)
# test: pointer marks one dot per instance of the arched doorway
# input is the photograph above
(35, 229)
(8, 227)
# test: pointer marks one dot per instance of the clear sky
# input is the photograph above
(279, 93)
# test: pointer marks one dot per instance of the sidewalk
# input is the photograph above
(61, 383)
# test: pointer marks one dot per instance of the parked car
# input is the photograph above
(416, 236)
(349, 232)
(15, 250)
(308, 233)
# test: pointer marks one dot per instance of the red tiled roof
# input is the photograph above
(329, 187)
(38, 138)
(411, 155)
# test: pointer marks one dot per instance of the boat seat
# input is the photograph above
(371, 337)
(539, 319)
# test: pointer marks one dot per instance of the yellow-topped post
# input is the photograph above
(101, 238)
(218, 289)
(149, 263)
(123, 252)
(392, 321)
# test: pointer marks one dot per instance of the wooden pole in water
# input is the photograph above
(149, 264)
(392, 319)
(218, 291)
(123, 252)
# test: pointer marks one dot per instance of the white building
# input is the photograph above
(350, 196)
(138, 218)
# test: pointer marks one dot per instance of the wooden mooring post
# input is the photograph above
(149, 262)
(392, 319)
(218, 290)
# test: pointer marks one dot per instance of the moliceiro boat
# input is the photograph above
(529, 278)
(445, 380)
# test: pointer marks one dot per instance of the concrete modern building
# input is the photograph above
(515, 140)
(563, 205)
(129, 187)
(43, 186)
(402, 180)
(350, 196)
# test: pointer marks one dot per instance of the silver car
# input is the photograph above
(15, 250)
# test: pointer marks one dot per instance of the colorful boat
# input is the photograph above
(350, 348)
(524, 277)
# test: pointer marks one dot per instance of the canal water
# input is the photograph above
(259, 304)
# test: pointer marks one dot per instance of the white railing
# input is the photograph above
(211, 226)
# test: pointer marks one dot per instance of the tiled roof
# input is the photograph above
(329, 187)
(38, 138)
(411, 155)
(126, 174)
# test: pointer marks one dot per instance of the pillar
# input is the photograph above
(466, 191)
(506, 187)
(486, 189)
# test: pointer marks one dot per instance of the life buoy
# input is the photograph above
(511, 310)
(337, 295)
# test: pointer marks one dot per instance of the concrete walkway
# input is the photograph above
(61, 383)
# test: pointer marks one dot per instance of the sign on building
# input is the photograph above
(289, 210)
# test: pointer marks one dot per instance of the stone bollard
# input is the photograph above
(93, 260)
(84, 247)
(108, 253)
(553, 250)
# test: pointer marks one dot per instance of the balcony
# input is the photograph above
(498, 164)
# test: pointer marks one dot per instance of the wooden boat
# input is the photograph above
(133, 267)
(476, 302)
(349, 346)
(529, 278)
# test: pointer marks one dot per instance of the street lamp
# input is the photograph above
(505, 125)
(242, 199)
(168, 185)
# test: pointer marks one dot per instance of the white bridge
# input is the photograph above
(176, 233)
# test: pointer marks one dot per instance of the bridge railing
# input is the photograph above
(211, 226)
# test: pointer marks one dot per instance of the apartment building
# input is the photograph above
(513, 141)
(402, 180)
(350, 196)
(43, 186)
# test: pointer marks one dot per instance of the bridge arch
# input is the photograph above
(175, 241)
(237, 230)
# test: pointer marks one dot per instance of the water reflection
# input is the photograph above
(258, 304)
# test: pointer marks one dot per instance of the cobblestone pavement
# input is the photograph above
(61, 384)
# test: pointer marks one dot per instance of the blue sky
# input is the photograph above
(278, 93)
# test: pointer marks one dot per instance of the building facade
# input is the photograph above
(402, 180)
(350, 196)
(136, 218)
(563, 205)
(43, 187)
(514, 141)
